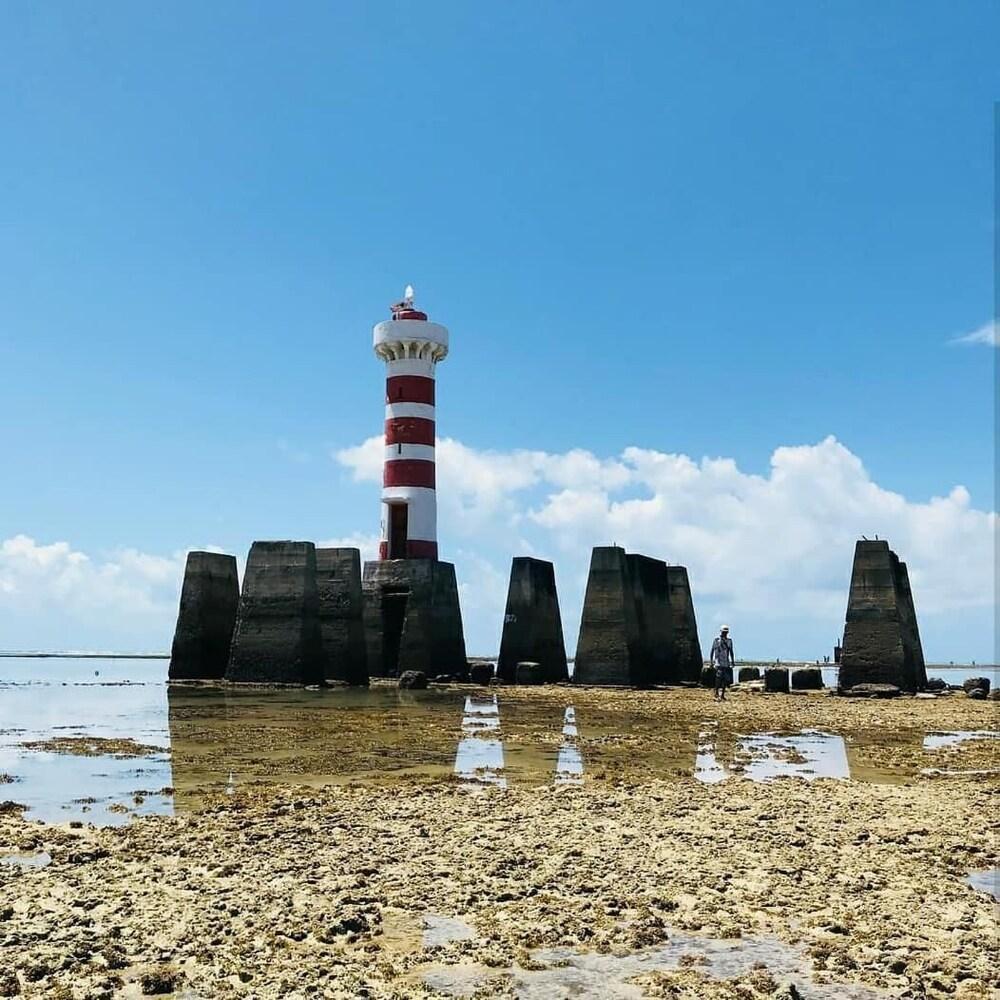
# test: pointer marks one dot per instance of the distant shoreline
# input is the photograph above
(58, 655)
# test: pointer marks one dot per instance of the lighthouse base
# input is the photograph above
(412, 618)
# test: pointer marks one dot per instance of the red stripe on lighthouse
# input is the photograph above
(408, 472)
(409, 389)
(409, 430)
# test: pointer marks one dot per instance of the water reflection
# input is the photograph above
(569, 763)
(809, 754)
(479, 757)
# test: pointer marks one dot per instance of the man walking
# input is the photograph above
(722, 659)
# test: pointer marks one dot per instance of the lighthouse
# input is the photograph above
(411, 347)
(412, 617)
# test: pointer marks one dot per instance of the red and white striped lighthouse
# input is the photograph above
(411, 347)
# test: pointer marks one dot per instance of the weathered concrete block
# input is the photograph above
(708, 677)
(653, 647)
(807, 679)
(414, 680)
(527, 672)
(277, 637)
(412, 618)
(338, 583)
(776, 679)
(480, 673)
(979, 694)
(685, 656)
(881, 638)
(607, 644)
(532, 625)
(749, 674)
(210, 596)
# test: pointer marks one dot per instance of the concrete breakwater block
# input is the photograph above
(708, 677)
(210, 597)
(412, 618)
(277, 637)
(480, 673)
(532, 625)
(881, 638)
(807, 679)
(776, 679)
(638, 626)
(685, 651)
(749, 674)
(338, 583)
(652, 652)
(607, 645)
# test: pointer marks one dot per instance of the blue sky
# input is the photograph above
(712, 230)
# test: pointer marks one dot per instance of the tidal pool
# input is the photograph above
(91, 740)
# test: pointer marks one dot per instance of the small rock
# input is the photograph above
(979, 694)
(936, 684)
(9, 986)
(982, 683)
(872, 691)
(528, 672)
(159, 981)
(415, 680)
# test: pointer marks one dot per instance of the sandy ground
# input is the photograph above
(295, 893)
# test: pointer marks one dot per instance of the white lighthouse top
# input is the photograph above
(409, 334)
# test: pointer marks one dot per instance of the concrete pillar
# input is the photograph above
(654, 630)
(532, 625)
(412, 618)
(608, 638)
(277, 638)
(881, 640)
(338, 582)
(686, 659)
(206, 617)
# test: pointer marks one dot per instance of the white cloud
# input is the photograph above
(50, 594)
(770, 551)
(988, 334)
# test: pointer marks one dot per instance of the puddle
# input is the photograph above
(569, 763)
(987, 881)
(26, 860)
(935, 741)
(592, 976)
(480, 758)
(221, 738)
(809, 754)
(439, 930)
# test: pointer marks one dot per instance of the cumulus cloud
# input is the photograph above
(52, 594)
(774, 549)
(988, 335)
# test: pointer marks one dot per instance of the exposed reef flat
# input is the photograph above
(352, 891)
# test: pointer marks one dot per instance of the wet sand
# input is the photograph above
(420, 884)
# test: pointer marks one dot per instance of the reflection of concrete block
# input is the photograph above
(776, 679)
(532, 626)
(277, 637)
(881, 638)
(608, 638)
(206, 617)
(412, 618)
(685, 657)
(338, 582)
